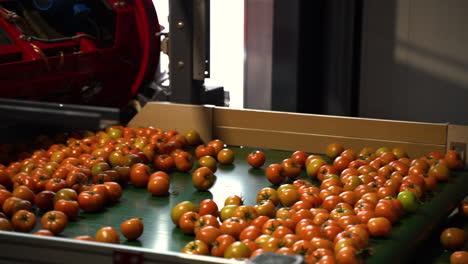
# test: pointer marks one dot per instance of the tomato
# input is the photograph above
(237, 250)
(132, 228)
(250, 233)
(409, 200)
(300, 157)
(333, 150)
(65, 194)
(233, 226)
(68, 207)
(459, 257)
(54, 221)
(43, 232)
(23, 221)
(196, 247)
(216, 144)
(291, 169)
(208, 206)
(116, 158)
(203, 179)
(99, 167)
(389, 209)
(313, 166)
(233, 200)
(203, 150)
(114, 191)
(5, 225)
(246, 212)
(225, 156)
(453, 238)
(324, 170)
(440, 172)
(23, 192)
(179, 209)
(74, 180)
(4, 194)
(84, 238)
(379, 226)
(158, 186)
(107, 234)
(139, 175)
(341, 163)
(274, 173)
(267, 193)
(256, 159)
(462, 209)
(55, 184)
(209, 162)
(164, 162)
(183, 161)
(220, 245)
(208, 235)
(91, 201)
(14, 204)
(187, 222)
(288, 197)
(205, 220)
(124, 173)
(192, 136)
(259, 221)
(266, 208)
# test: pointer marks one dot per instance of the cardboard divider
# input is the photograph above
(294, 131)
(332, 125)
(313, 143)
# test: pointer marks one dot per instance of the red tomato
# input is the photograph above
(333, 150)
(132, 228)
(107, 234)
(208, 235)
(221, 244)
(453, 238)
(203, 150)
(68, 207)
(54, 221)
(291, 168)
(23, 221)
(209, 162)
(274, 173)
(43, 232)
(225, 156)
(203, 179)
(158, 186)
(233, 226)
(187, 222)
(14, 204)
(256, 159)
(379, 226)
(5, 225)
(139, 174)
(459, 257)
(91, 201)
(208, 206)
(216, 144)
(183, 161)
(196, 247)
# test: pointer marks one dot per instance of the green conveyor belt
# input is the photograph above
(161, 234)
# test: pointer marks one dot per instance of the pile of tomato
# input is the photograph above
(330, 218)
(348, 198)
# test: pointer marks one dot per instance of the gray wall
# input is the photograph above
(415, 60)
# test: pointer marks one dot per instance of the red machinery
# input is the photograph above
(94, 52)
